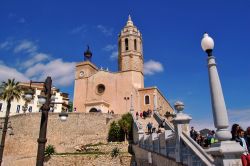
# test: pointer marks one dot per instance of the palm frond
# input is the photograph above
(11, 90)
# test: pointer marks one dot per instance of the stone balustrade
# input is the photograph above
(165, 147)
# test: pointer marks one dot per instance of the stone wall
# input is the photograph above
(80, 128)
(89, 160)
(142, 156)
(74, 160)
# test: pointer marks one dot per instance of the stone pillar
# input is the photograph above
(140, 134)
(162, 143)
(218, 103)
(137, 131)
(225, 152)
(155, 102)
(179, 121)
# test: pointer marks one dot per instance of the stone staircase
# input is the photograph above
(145, 121)
(164, 149)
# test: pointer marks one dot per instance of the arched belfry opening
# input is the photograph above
(135, 44)
(126, 44)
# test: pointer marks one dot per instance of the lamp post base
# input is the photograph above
(226, 153)
(223, 134)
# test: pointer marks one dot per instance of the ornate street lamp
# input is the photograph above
(45, 100)
(63, 116)
(225, 152)
(217, 98)
(28, 95)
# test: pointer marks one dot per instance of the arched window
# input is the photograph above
(146, 99)
(126, 44)
(135, 44)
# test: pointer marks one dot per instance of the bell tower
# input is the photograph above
(130, 55)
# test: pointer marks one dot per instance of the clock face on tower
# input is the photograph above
(81, 74)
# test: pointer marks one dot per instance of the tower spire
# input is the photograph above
(129, 22)
(129, 17)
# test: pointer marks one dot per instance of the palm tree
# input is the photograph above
(126, 123)
(10, 91)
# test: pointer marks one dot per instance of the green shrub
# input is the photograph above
(115, 152)
(115, 133)
(49, 150)
(121, 130)
(126, 124)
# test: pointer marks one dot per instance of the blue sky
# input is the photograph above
(40, 38)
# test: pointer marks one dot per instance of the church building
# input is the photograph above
(98, 90)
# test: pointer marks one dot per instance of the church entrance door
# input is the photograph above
(94, 110)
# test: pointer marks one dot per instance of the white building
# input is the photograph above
(18, 107)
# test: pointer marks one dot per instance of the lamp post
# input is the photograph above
(225, 152)
(155, 102)
(45, 100)
(218, 104)
(3, 130)
(9, 128)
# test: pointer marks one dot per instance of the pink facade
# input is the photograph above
(98, 90)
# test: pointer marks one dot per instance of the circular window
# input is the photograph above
(100, 88)
(81, 74)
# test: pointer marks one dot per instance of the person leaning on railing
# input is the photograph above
(245, 157)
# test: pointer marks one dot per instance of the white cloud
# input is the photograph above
(6, 45)
(109, 47)
(21, 20)
(112, 48)
(11, 15)
(151, 67)
(9, 73)
(78, 29)
(202, 124)
(35, 59)
(239, 116)
(114, 55)
(105, 30)
(25, 46)
(37, 66)
(61, 72)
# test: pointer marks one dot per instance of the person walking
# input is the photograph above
(137, 115)
(149, 126)
(193, 133)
